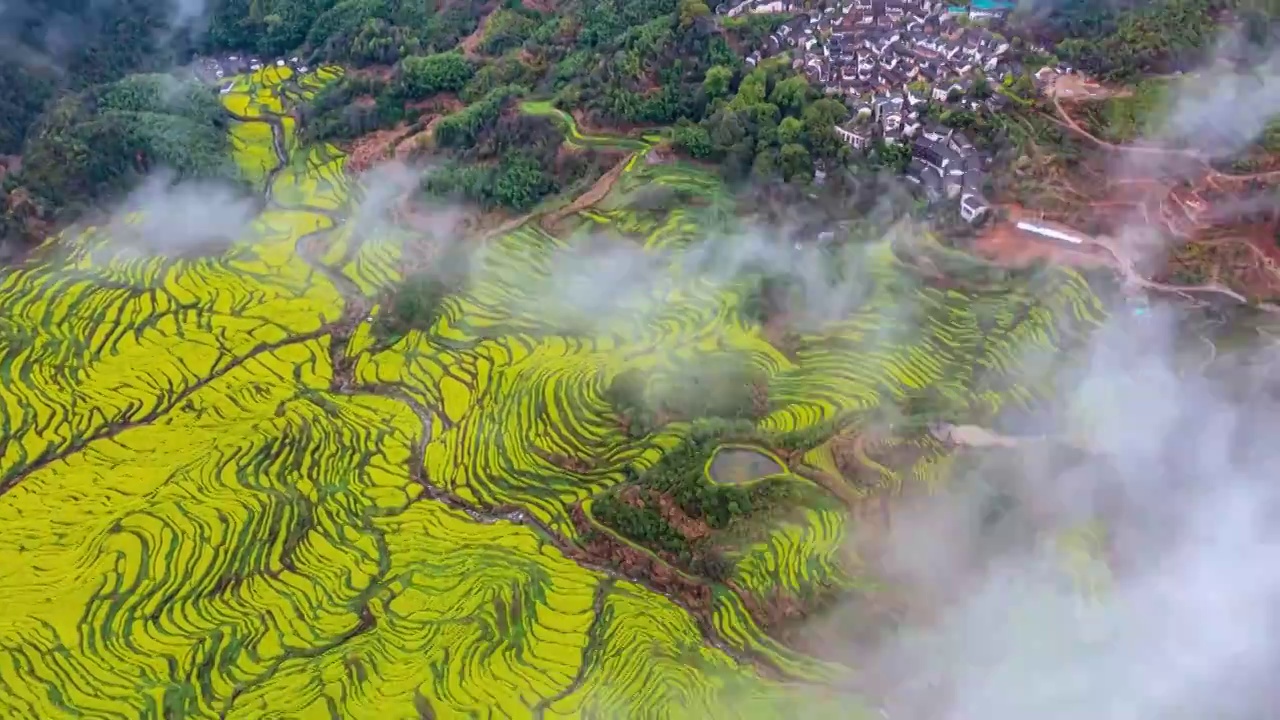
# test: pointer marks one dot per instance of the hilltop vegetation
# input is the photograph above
(94, 145)
(612, 63)
(657, 62)
(1120, 41)
(616, 62)
(93, 142)
(768, 122)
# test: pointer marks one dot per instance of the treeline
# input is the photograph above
(1121, 41)
(96, 144)
(77, 150)
(358, 32)
(645, 62)
(362, 102)
(58, 46)
(769, 123)
(619, 62)
(641, 62)
(494, 155)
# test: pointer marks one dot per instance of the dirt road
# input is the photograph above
(597, 192)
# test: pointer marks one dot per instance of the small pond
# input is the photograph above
(737, 464)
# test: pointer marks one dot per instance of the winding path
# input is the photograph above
(1124, 261)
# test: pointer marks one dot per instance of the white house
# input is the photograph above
(857, 137)
(973, 207)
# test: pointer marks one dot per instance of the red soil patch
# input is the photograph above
(638, 565)
(675, 516)
(471, 43)
(774, 612)
(1244, 255)
(1212, 226)
(10, 163)
(1079, 87)
(688, 527)
(381, 72)
(370, 149)
(1004, 244)
(546, 6)
(410, 146)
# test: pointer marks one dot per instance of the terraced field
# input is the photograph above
(224, 497)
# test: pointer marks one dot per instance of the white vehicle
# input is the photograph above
(233, 58)
(302, 69)
(218, 73)
(293, 59)
(279, 63)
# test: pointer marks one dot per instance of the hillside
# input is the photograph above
(578, 358)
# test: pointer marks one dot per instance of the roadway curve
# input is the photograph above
(1124, 261)
(1127, 267)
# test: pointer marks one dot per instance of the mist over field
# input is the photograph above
(178, 219)
(1177, 473)
(1180, 473)
(1179, 468)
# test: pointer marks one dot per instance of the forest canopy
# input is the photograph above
(97, 143)
(86, 129)
(1120, 40)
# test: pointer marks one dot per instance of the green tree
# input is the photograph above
(892, 156)
(795, 161)
(752, 90)
(790, 130)
(520, 182)
(820, 119)
(981, 87)
(765, 165)
(691, 11)
(506, 29)
(717, 81)
(424, 76)
(694, 140)
(791, 94)
(1025, 86)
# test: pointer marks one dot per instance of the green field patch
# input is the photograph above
(235, 483)
(575, 136)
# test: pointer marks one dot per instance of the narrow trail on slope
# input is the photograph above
(1066, 120)
(598, 191)
(471, 43)
(1126, 265)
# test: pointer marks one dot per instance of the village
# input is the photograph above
(888, 59)
(220, 69)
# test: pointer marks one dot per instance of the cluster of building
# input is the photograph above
(889, 58)
(946, 165)
(218, 68)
